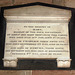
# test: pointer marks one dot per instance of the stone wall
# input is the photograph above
(38, 72)
(67, 3)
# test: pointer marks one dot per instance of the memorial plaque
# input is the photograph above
(37, 32)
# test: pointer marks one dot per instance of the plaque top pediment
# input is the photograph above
(38, 10)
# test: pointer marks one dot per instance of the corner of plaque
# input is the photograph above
(10, 62)
(63, 62)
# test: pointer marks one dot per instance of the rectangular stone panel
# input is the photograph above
(18, 72)
(35, 34)
(70, 3)
(5, 3)
(58, 2)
